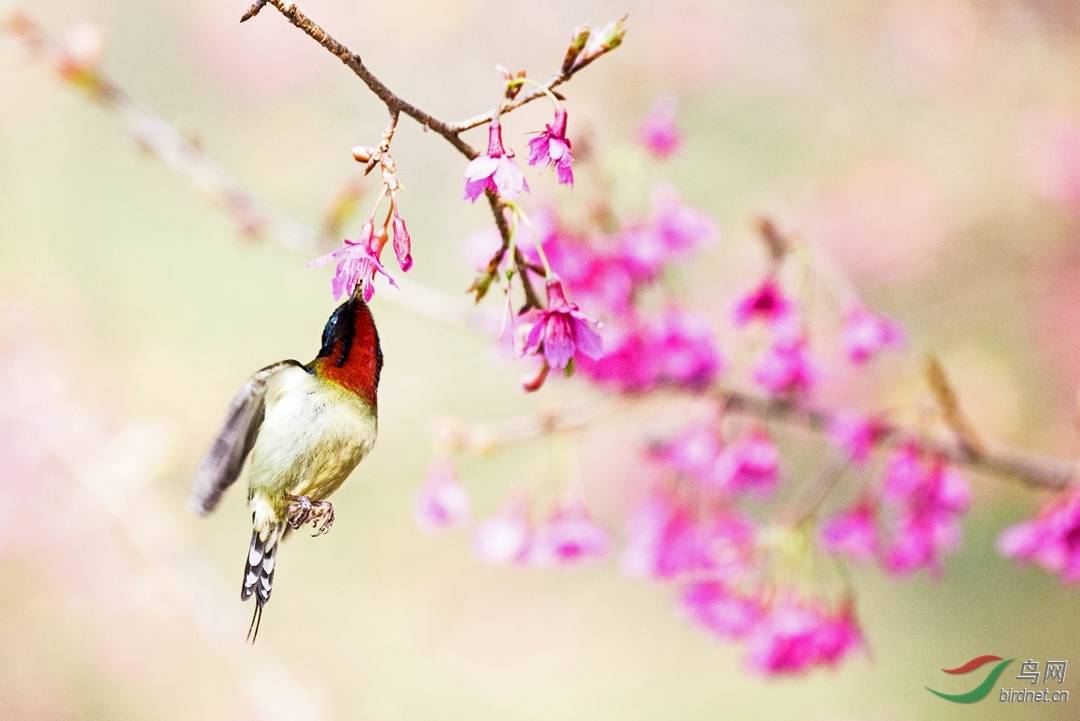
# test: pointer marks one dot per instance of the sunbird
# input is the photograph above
(306, 428)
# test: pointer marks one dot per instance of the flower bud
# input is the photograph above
(577, 42)
(363, 153)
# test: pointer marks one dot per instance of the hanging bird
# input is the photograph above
(306, 428)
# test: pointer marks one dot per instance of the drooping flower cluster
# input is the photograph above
(359, 260)
(568, 536)
(926, 498)
(1052, 540)
(696, 527)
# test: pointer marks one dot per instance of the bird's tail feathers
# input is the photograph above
(259, 575)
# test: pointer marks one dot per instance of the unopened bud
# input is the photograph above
(363, 153)
(606, 38)
(577, 42)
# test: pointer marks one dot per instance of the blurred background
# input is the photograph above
(933, 146)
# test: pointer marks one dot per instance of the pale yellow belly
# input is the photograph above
(313, 436)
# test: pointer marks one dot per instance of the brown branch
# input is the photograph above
(393, 102)
(1032, 470)
(575, 61)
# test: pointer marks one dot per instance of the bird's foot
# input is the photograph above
(302, 510)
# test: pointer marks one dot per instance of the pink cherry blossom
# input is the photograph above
(693, 452)
(853, 532)
(786, 368)
(714, 606)
(794, 637)
(663, 541)
(765, 302)
(683, 349)
(674, 230)
(658, 132)
(441, 503)
(552, 148)
(505, 537)
(681, 227)
(1051, 540)
(750, 464)
(866, 334)
(357, 264)
(855, 434)
(677, 348)
(930, 496)
(569, 537)
(402, 243)
(561, 330)
(495, 170)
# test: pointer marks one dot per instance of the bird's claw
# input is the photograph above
(303, 510)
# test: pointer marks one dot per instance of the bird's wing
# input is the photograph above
(222, 464)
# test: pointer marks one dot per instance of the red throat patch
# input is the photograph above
(355, 358)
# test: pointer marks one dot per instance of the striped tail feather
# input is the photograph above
(259, 575)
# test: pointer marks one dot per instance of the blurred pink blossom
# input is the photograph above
(718, 609)
(1051, 540)
(504, 537)
(766, 302)
(930, 496)
(441, 503)
(866, 334)
(693, 451)
(658, 133)
(676, 348)
(852, 532)
(751, 464)
(794, 637)
(786, 368)
(569, 537)
(674, 231)
(855, 434)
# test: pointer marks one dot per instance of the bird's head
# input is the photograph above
(351, 355)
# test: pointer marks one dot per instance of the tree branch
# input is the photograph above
(1035, 471)
(393, 102)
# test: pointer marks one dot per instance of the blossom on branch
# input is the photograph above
(561, 330)
(795, 636)
(358, 262)
(853, 532)
(751, 464)
(930, 496)
(569, 537)
(866, 334)
(719, 610)
(495, 170)
(552, 148)
(766, 303)
(1051, 540)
